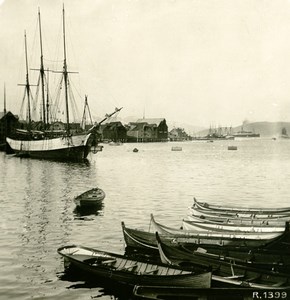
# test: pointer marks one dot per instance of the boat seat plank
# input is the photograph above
(109, 261)
(118, 263)
(235, 277)
(130, 267)
(142, 268)
(153, 271)
(122, 263)
(254, 278)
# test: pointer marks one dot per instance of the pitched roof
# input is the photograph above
(156, 121)
(8, 113)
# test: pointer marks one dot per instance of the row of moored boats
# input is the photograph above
(217, 249)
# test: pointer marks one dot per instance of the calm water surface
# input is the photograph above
(38, 214)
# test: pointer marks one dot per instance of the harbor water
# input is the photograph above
(38, 214)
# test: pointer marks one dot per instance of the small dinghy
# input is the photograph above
(129, 271)
(89, 198)
(176, 148)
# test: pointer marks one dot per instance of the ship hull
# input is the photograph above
(74, 148)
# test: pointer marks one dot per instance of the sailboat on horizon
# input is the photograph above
(40, 144)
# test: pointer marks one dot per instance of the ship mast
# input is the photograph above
(27, 85)
(65, 74)
(42, 72)
(4, 99)
(47, 98)
(84, 113)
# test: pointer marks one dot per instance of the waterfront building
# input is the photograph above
(114, 131)
(148, 130)
(8, 125)
(178, 134)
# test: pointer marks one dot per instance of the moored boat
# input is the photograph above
(199, 229)
(245, 215)
(188, 293)
(229, 272)
(236, 209)
(91, 197)
(51, 145)
(122, 269)
(254, 232)
(271, 256)
(238, 221)
(176, 148)
(139, 239)
(241, 228)
(256, 258)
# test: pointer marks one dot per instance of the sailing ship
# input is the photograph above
(49, 145)
(284, 134)
(221, 133)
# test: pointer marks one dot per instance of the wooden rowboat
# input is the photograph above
(89, 198)
(223, 271)
(241, 228)
(200, 229)
(269, 256)
(138, 239)
(237, 221)
(187, 293)
(226, 214)
(246, 210)
(122, 269)
(267, 261)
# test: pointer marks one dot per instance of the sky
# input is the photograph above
(199, 62)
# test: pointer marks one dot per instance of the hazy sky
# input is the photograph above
(199, 62)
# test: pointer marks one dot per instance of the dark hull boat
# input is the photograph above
(260, 259)
(236, 209)
(146, 240)
(74, 148)
(122, 269)
(224, 271)
(90, 198)
(246, 134)
(188, 293)
(269, 257)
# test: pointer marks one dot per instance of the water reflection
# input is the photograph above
(82, 211)
(100, 287)
(39, 214)
(45, 192)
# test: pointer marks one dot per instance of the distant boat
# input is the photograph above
(115, 144)
(245, 134)
(176, 148)
(221, 133)
(91, 197)
(232, 148)
(284, 134)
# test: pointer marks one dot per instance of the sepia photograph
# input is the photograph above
(144, 149)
